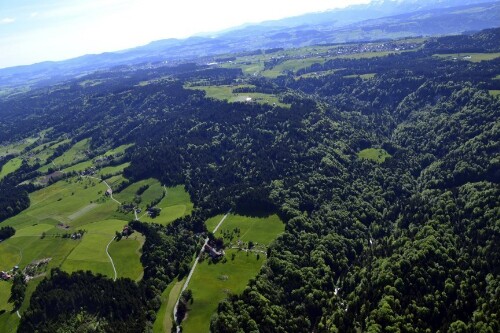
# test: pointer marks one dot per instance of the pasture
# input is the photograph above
(63, 208)
(164, 318)
(77, 153)
(90, 253)
(494, 93)
(225, 93)
(292, 65)
(211, 283)
(378, 155)
(176, 204)
(126, 263)
(112, 170)
(472, 57)
(11, 166)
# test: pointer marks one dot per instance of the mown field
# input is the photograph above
(473, 57)
(226, 93)
(164, 319)
(211, 283)
(378, 155)
(176, 203)
(11, 166)
(69, 205)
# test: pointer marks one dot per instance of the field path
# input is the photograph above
(193, 268)
(109, 187)
(111, 259)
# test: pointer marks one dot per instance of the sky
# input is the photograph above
(32, 31)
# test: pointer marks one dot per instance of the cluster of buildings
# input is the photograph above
(8, 275)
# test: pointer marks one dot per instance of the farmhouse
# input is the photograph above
(5, 276)
(213, 252)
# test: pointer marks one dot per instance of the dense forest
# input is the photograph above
(409, 244)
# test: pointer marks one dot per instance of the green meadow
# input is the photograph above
(113, 170)
(154, 191)
(16, 147)
(361, 76)
(378, 155)
(292, 65)
(126, 263)
(176, 204)
(65, 207)
(494, 93)
(472, 57)
(90, 254)
(211, 283)
(164, 319)
(4, 295)
(11, 166)
(225, 93)
(72, 156)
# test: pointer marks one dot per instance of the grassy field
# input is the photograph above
(211, 283)
(154, 191)
(164, 319)
(16, 147)
(378, 155)
(10, 167)
(473, 57)
(362, 76)
(495, 93)
(118, 150)
(72, 156)
(113, 170)
(126, 264)
(4, 295)
(78, 203)
(366, 55)
(292, 65)
(226, 93)
(90, 254)
(258, 230)
(176, 203)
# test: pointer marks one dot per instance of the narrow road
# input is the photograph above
(192, 270)
(107, 246)
(109, 187)
(111, 259)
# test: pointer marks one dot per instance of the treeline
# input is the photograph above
(7, 232)
(13, 199)
(116, 306)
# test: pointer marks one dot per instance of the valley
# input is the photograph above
(303, 187)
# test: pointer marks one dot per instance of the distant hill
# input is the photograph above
(375, 21)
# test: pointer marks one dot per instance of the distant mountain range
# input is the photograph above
(381, 19)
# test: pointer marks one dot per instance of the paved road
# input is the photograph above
(193, 268)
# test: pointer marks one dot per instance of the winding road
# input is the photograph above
(118, 202)
(111, 259)
(192, 270)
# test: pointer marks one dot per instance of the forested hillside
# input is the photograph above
(385, 168)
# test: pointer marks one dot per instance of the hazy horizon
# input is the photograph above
(33, 32)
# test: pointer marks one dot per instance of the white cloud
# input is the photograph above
(7, 20)
(34, 14)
